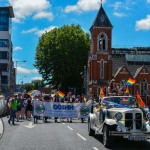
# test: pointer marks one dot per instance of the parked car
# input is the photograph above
(120, 116)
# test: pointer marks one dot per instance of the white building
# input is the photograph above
(7, 70)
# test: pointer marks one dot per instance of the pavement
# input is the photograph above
(26, 135)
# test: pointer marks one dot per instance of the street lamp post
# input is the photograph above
(16, 67)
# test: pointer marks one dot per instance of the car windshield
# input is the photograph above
(119, 101)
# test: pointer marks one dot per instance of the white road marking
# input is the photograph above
(95, 148)
(30, 126)
(63, 123)
(84, 139)
(69, 128)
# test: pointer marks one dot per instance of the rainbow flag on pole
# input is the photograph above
(60, 94)
(101, 94)
(127, 91)
(130, 81)
(140, 101)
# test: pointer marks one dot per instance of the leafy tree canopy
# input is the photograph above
(61, 55)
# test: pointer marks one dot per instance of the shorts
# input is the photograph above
(23, 110)
(18, 108)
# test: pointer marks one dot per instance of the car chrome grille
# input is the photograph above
(138, 120)
(129, 120)
(133, 121)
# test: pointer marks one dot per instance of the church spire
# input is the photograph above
(101, 2)
(101, 19)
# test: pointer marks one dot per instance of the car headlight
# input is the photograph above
(148, 115)
(118, 129)
(118, 116)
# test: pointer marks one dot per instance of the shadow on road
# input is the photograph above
(124, 144)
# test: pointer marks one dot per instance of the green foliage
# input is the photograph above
(28, 87)
(61, 55)
(34, 85)
(38, 84)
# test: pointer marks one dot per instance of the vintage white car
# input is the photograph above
(118, 116)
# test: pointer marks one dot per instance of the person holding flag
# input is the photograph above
(113, 88)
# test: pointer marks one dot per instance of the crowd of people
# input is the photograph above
(21, 106)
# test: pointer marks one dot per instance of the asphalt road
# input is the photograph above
(58, 136)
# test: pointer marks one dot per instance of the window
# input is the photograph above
(102, 42)
(3, 55)
(4, 27)
(4, 79)
(102, 69)
(144, 87)
(4, 43)
(3, 67)
(4, 20)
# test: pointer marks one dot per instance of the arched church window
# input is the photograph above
(102, 42)
(102, 69)
(144, 87)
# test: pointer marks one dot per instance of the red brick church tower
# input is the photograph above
(99, 61)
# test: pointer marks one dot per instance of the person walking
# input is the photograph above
(56, 99)
(13, 108)
(29, 107)
(18, 112)
(46, 99)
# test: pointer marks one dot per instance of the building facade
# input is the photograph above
(106, 63)
(7, 71)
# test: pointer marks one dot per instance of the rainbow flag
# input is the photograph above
(140, 101)
(127, 91)
(101, 94)
(130, 81)
(60, 94)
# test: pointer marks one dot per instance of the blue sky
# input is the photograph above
(130, 20)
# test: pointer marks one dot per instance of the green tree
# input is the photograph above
(61, 55)
(38, 84)
(28, 87)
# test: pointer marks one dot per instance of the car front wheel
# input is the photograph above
(107, 140)
(90, 130)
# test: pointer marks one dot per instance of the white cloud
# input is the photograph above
(126, 5)
(37, 31)
(117, 5)
(26, 8)
(25, 70)
(83, 5)
(119, 14)
(143, 24)
(40, 32)
(30, 30)
(17, 48)
(36, 78)
(43, 14)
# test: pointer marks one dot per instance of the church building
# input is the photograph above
(106, 63)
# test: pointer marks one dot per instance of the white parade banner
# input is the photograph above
(61, 110)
